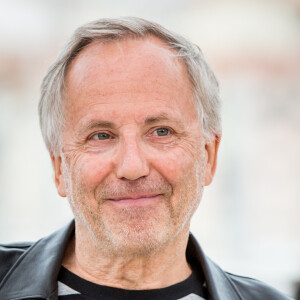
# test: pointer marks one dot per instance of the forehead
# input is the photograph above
(127, 71)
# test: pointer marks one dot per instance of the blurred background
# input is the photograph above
(248, 221)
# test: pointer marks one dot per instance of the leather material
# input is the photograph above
(29, 271)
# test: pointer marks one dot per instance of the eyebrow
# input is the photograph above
(148, 121)
(164, 117)
(154, 119)
(96, 124)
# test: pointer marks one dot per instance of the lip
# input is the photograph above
(137, 199)
(134, 197)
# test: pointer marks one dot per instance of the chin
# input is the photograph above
(134, 238)
(138, 245)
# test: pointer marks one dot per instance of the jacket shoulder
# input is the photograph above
(9, 255)
(251, 289)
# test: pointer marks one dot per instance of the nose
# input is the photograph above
(131, 162)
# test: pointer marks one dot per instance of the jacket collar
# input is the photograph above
(35, 272)
(218, 283)
(34, 275)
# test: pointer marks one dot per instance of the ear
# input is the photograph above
(59, 179)
(211, 149)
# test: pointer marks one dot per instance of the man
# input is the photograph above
(130, 116)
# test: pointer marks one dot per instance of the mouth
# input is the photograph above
(135, 199)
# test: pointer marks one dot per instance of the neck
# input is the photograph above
(163, 268)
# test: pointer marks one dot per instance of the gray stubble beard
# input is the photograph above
(135, 231)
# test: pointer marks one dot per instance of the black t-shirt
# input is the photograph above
(71, 286)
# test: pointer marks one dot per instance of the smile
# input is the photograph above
(133, 200)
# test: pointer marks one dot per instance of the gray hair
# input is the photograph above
(206, 90)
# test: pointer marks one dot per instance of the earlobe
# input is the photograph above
(58, 176)
(211, 149)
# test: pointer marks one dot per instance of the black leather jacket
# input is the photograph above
(29, 271)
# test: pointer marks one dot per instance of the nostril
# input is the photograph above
(130, 180)
(132, 162)
(132, 168)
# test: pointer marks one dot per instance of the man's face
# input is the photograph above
(133, 162)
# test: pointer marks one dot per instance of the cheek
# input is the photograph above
(88, 169)
(177, 165)
(185, 174)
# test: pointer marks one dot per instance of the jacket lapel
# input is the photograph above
(218, 283)
(34, 275)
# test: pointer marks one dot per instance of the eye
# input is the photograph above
(101, 136)
(162, 131)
